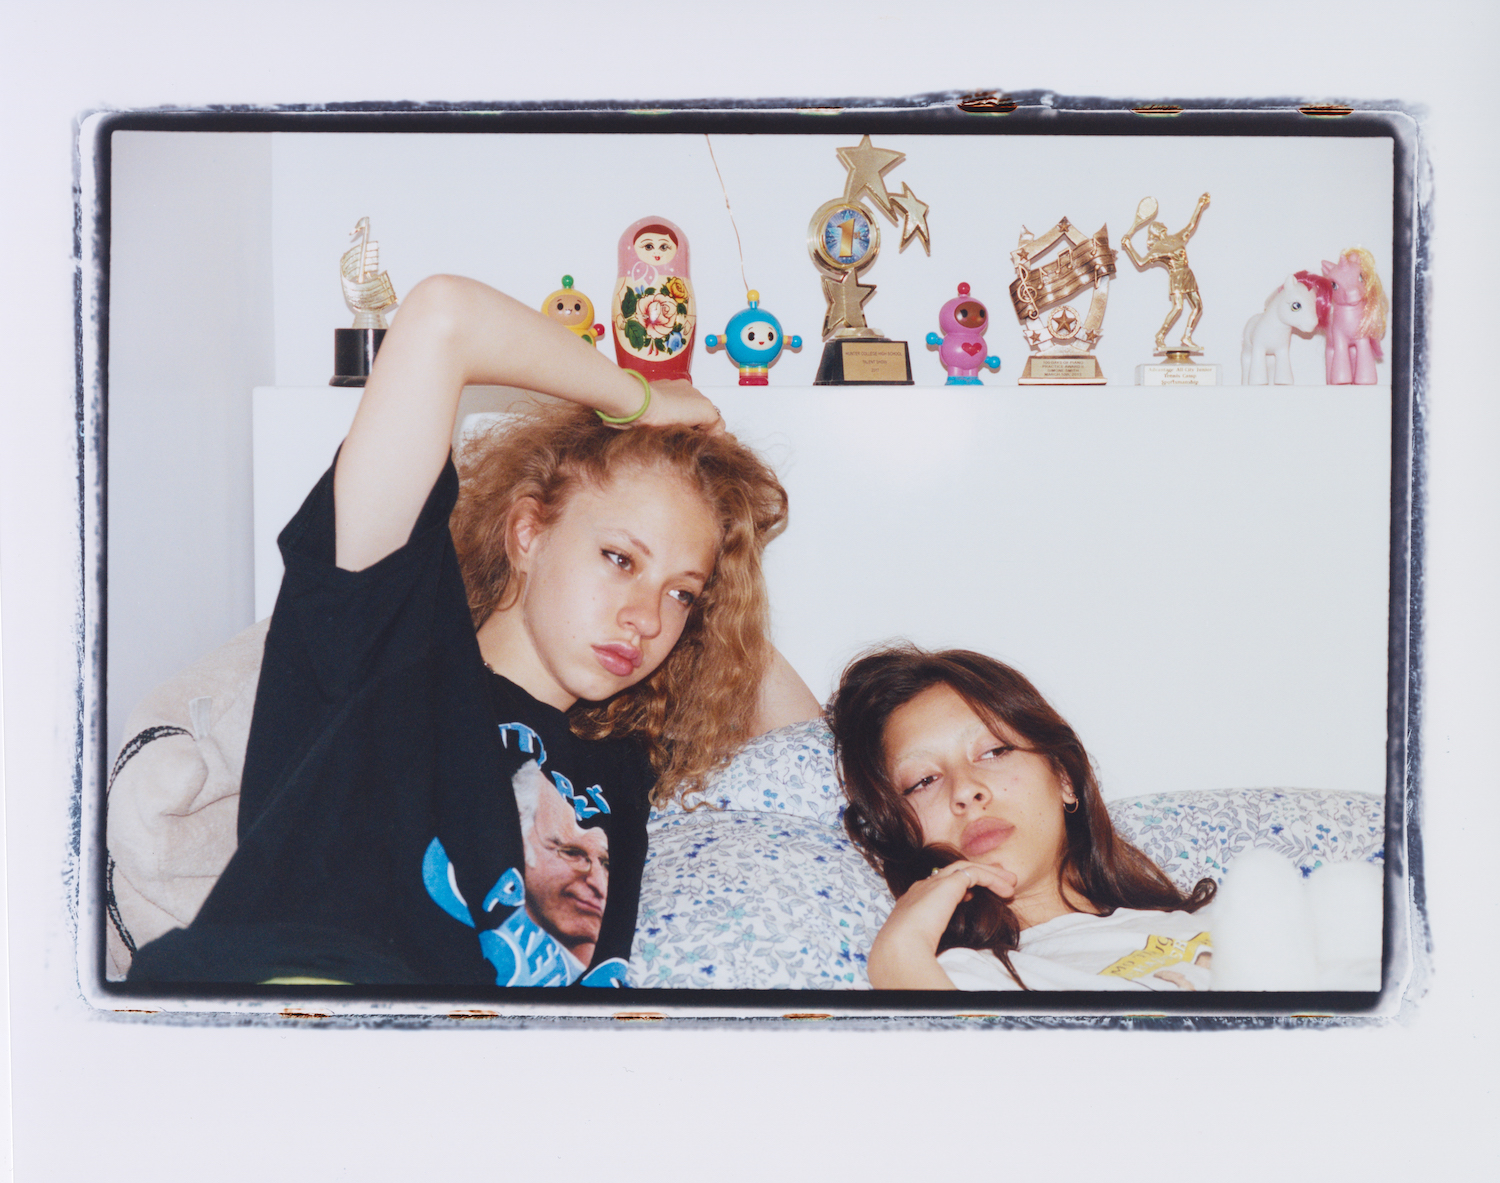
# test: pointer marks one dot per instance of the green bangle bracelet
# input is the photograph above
(645, 404)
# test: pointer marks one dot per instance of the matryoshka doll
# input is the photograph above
(654, 313)
(574, 311)
(961, 348)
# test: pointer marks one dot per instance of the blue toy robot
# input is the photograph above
(753, 341)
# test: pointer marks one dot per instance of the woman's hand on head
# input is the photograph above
(904, 955)
(679, 402)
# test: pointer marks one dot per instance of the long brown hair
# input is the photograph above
(1096, 864)
(699, 704)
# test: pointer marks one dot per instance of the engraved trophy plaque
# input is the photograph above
(843, 238)
(1170, 251)
(1060, 342)
(369, 294)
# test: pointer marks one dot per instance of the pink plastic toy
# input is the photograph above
(961, 348)
(1354, 318)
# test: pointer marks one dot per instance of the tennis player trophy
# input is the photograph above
(1170, 251)
(1060, 342)
(843, 239)
(369, 293)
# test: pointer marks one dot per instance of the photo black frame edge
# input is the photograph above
(1036, 113)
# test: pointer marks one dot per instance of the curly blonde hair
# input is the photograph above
(700, 703)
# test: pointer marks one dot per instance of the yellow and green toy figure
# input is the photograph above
(573, 310)
(753, 341)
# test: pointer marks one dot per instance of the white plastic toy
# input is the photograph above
(1291, 306)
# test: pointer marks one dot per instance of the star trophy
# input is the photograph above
(1170, 251)
(368, 292)
(842, 238)
(1059, 341)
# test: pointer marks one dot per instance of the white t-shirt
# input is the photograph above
(1128, 950)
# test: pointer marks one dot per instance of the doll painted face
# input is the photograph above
(570, 309)
(655, 248)
(970, 315)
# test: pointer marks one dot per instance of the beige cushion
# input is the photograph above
(174, 796)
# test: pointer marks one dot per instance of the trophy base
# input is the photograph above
(1077, 370)
(353, 354)
(864, 361)
(1176, 373)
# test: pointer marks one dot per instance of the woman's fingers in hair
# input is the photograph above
(679, 402)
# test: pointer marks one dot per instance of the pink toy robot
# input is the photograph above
(1352, 308)
(961, 348)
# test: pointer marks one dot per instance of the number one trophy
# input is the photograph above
(842, 238)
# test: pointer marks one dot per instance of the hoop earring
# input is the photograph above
(1073, 803)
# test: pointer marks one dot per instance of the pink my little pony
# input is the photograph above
(1352, 307)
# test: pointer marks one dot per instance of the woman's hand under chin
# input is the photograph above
(904, 955)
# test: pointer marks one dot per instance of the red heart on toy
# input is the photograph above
(971, 347)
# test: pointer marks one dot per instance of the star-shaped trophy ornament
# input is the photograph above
(843, 239)
(1060, 342)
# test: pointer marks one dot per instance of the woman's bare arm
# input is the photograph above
(784, 697)
(453, 332)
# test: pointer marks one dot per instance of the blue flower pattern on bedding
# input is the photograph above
(758, 887)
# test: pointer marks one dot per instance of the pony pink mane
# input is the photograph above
(1322, 290)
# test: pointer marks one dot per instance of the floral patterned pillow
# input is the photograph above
(759, 887)
(789, 770)
(1193, 835)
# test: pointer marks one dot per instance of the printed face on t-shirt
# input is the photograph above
(608, 586)
(980, 792)
(567, 875)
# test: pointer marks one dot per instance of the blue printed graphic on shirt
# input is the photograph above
(522, 952)
(586, 804)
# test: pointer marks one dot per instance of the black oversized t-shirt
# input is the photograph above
(379, 836)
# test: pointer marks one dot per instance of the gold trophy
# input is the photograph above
(844, 237)
(1170, 251)
(1059, 341)
(368, 292)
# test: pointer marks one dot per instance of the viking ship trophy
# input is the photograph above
(1060, 342)
(842, 238)
(369, 293)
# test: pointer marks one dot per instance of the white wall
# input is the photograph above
(1199, 579)
(190, 335)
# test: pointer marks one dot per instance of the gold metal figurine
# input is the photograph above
(843, 238)
(1060, 342)
(1170, 251)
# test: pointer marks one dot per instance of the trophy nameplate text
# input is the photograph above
(843, 238)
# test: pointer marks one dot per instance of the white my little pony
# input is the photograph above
(1291, 306)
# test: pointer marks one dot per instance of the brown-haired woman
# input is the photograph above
(978, 804)
(581, 616)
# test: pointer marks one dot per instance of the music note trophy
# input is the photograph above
(843, 238)
(1060, 342)
(368, 292)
